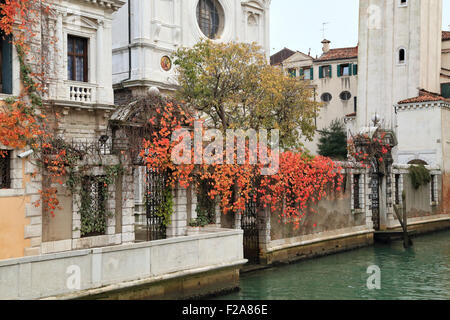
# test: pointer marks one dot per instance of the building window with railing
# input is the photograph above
(77, 58)
(5, 169)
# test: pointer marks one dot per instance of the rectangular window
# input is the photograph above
(5, 169)
(307, 73)
(344, 70)
(433, 189)
(325, 72)
(356, 193)
(77, 59)
(292, 72)
(397, 189)
(5, 64)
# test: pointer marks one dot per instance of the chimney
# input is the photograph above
(326, 45)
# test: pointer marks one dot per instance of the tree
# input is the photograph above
(333, 141)
(235, 87)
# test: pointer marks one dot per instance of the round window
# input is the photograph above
(345, 95)
(210, 18)
(326, 97)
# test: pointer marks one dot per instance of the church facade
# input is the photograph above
(147, 32)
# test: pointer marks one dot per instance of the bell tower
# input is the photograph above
(399, 54)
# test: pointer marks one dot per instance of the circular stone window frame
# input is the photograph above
(347, 93)
(326, 93)
(224, 33)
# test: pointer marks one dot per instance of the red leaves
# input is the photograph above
(301, 181)
(365, 149)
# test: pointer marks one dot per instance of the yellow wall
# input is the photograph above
(12, 226)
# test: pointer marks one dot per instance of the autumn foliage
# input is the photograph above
(302, 180)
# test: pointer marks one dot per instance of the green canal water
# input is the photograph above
(421, 272)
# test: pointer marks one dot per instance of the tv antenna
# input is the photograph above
(324, 29)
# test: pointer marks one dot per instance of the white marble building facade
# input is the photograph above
(146, 32)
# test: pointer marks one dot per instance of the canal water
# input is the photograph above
(421, 272)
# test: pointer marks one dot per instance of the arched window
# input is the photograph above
(418, 162)
(402, 56)
(345, 95)
(209, 17)
(326, 97)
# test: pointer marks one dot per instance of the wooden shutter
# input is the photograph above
(321, 72)
(355, 69)
(302, 73)
(7, 65)
(339, 68)
(312, 73)
(331, 70)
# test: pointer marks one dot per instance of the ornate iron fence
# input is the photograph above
(249, 224)
(155, 197)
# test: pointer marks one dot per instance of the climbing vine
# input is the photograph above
(301, 179)
(165, 209)
(420, 176)
(369, 150)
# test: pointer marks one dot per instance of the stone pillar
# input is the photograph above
(33, 231)
(218, 212)
(193, 201)
(264, 215)
(128, 235)
(367, 202)
(100, 63)
(178, 226)
(237, 220)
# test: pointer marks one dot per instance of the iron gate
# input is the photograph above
(249, 223)
(375, 200)
(155, 197)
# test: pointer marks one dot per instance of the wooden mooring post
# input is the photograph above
(407, 242)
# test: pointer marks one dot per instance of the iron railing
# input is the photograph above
(155, 197)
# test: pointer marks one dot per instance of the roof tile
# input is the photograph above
(424, 96)
(445, 35)
(339, 53)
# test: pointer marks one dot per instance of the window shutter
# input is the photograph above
(312, 73)
(302, 73)
(7, 65)
(321, 72)
(339, 70)
(355, 69)
(350, 69)
(331, 70)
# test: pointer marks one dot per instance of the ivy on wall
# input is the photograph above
(420, 176)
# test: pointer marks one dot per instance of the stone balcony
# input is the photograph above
(81, 92)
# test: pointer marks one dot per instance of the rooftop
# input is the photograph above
(445, 35)
(339, 53)
(280, 56)
(424, 96)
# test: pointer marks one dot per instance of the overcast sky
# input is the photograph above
(297, 24)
